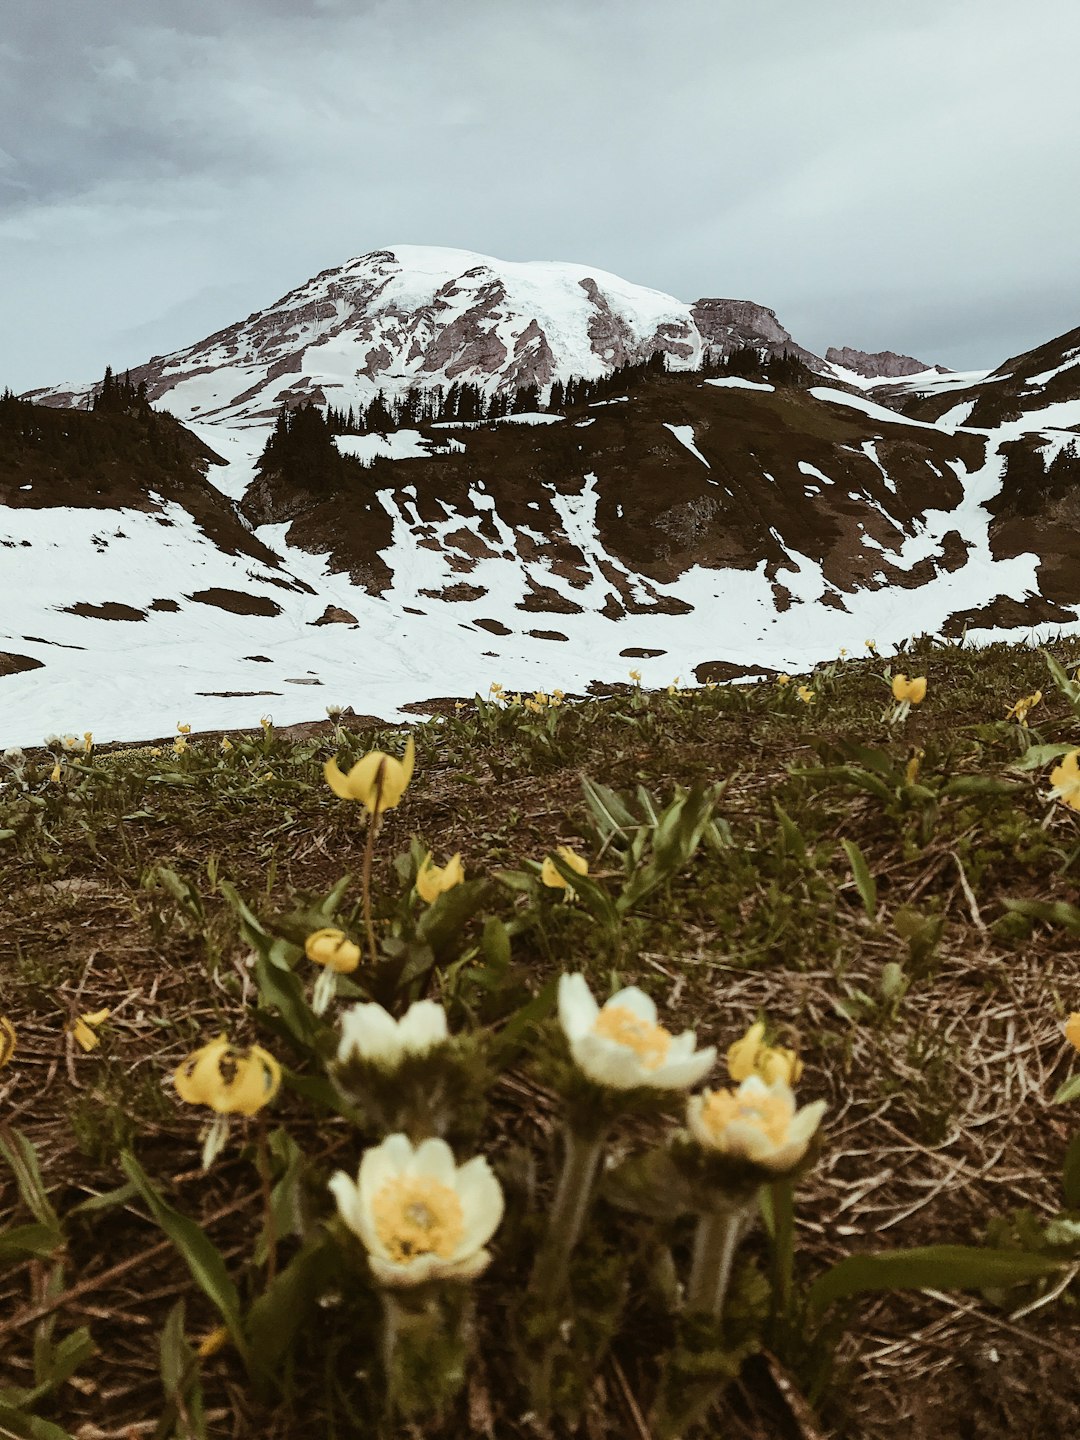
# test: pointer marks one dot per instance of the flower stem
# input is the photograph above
(581, 1161)
(718, 1234)
(365, 886)
(263, 1152)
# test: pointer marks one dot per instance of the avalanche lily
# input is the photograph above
(1065, 778)
(230, 1079)
(913, 692)
(84, 1028)
(1019, 711)
(620, 1046)
(418, 1214)
(751, 1056)
(1071, 1030)
(7, 1040)
(431, 881)
(550, 877)
(378, 781)
(333, 949)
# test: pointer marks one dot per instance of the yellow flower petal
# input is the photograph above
(913, 691)
(7, 1040)
(333, 949)
(550, 876)
(431, 881)
(213, 1343)
(1072, 1030)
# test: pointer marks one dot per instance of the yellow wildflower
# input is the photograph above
(229, 1079)
(83, 1028)
(1019, 711)
(156, 750)
(551, 877)
(843, 652)
(495, 688)
(226, 744)
(534, 707)
(635, 675)
(751, 1056)
(782, 680)
(378, 781)
(213, 1342)
(1072, 1030)
(913, 691)
(54, 774)
(183, 729)
(1065, 778)
(7, 1040)
(180, 745)
(333, 949)
(88, 741)
(805, 694)
(431, 881)
(266, 721)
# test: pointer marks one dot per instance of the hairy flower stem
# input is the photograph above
(263, 1154)
(365, 874)
(423, 1351)
(581, 1161)
(718, 1234)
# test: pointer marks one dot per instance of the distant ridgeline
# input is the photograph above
(120, 441)
(465, 402)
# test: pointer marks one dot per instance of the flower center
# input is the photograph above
(766, 1113)
(416, 1215)
(649, 1042)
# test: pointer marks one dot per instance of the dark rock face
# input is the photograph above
(883, 364)
(727, 325)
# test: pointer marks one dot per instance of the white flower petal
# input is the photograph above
(682, 1074)
(682, 1045)
(606, 1062)
(482, 1203)
(435, 1159)
(577, 1008)
(636, 1001)
(371, 1033)
(422, 1026)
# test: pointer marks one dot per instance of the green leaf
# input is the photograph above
(1036, 756)
(848, 775)
(280, 989)
(37, 1240)
(592, 895)
(1056, 912)
(980, 785)
(22, 1157)
(533, 1012)
(441, 924)
(931, 1267)
(16, 1422)
(197, 1251)
(1069, 1091)
(609, 810)
(496, 945)
(864, 881)
(180, 1378)
(288, 1303)
(120, 1196)
(792, 836)
(1071, 1173)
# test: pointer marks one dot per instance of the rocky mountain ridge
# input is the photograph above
(420, 316)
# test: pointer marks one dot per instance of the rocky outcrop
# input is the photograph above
(881, 365)
(728, 325)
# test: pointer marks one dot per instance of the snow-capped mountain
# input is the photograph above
(695, 526)
(424, 316)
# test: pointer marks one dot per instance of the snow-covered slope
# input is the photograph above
(424, 316)
(684, 529)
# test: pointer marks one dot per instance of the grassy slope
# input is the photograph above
(938, 1104)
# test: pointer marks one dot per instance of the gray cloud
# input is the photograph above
(888, 177)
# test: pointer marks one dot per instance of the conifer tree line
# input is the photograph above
(465, 401)
(118, 435)
(1028, 482)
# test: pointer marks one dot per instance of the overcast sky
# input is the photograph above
(900, 177)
